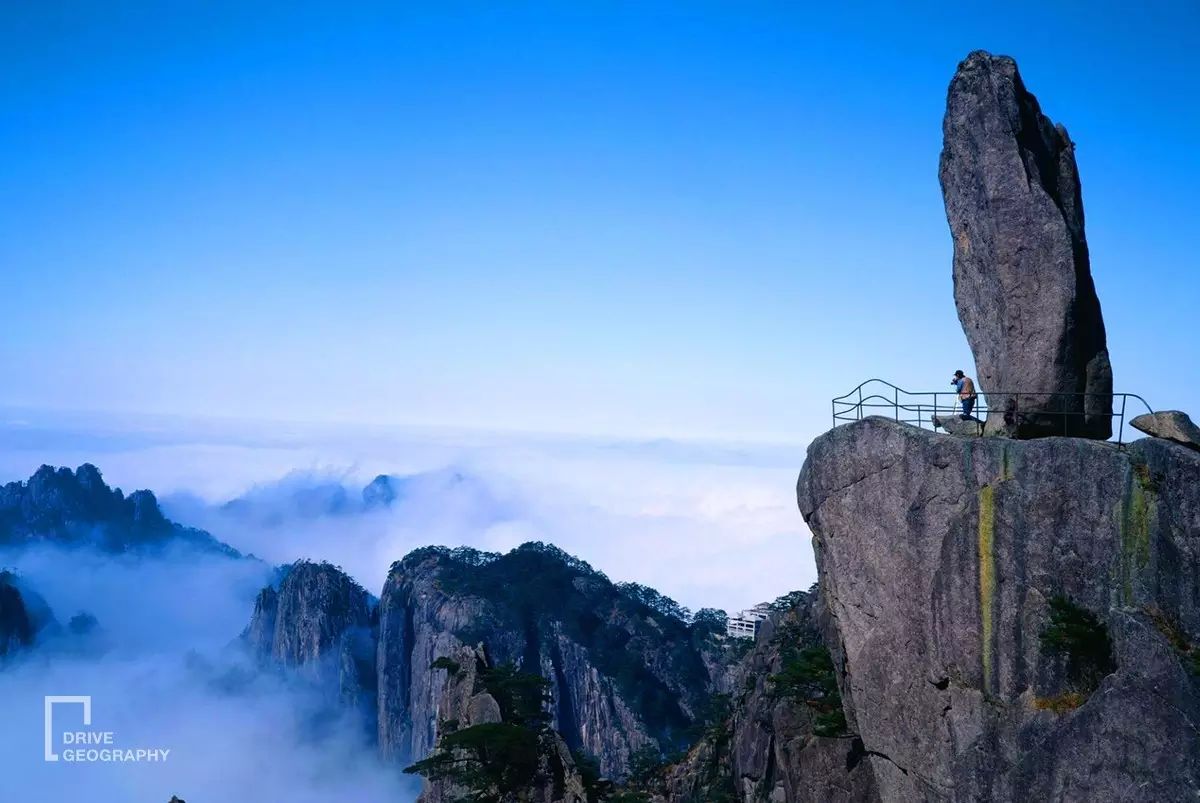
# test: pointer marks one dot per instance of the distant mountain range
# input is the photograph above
(631, 678)
(304, 497)
(77, 508)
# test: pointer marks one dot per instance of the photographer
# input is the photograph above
(966, 393)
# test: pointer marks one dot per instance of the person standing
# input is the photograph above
(966, 393)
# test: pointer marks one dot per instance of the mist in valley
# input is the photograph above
(163, 663)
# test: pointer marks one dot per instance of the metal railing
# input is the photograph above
(879, 397)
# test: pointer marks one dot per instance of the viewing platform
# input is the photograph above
(943, 410)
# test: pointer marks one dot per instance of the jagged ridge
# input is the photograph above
(623, 675)
(76, 508)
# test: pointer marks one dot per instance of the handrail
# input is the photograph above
(919, 404)
(862, 385)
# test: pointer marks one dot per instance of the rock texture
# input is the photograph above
(626, 670)
(956, 425)
(76, 508)
(16, 625)
(622, 675)
(1022, 279)
(1171, 425)
(25, 617)
(465, 702)
(766, 751)
(938, 560)
(320, 623)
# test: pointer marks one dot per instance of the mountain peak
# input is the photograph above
(77, 508)
(380, 492)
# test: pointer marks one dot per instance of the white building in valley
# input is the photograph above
(744, 624)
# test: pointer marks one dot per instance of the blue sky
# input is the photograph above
(636, 219)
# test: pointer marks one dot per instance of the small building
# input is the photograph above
(744, 624)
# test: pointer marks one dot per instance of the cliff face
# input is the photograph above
(16, 625)
(462, 703)
(622, 675)
(1015, 620)
(466, 701)
(25, 617)
(768, 748)
(624, 670)
(74, 508)
(319, 623)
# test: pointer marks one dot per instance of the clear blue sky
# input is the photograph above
(623, 218)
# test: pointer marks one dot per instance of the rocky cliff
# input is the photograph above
(76, 508)
(25, 618)
(1022, 277)
(320, 623)
(784, 738)
(622, 675)
(1013, 620)
(625, 668)
(473, 703)
(16, 625)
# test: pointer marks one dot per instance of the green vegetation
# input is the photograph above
(522, 697)
(496, 760)
(1188, 652)
(1081, 640)
(596, 787)
(713, 723)
(646, 768)
(536, 585)
(491, 761)
(1059, 703)
(500, 762)
(709, 622)
(449, 664)
(793, 599)
(807, 675)
(655, 601)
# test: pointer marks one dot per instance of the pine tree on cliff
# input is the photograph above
(499, 762)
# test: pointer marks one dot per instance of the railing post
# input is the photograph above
(1121, 430)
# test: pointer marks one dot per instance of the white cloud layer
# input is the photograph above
(163, 672)
(708, 524)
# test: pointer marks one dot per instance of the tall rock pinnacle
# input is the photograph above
(1022, 280)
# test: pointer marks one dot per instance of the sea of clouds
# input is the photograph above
(164, 672)
(709, 524)
(712, 525)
